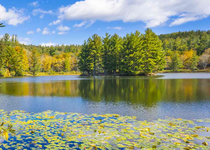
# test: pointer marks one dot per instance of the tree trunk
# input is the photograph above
(94, 70)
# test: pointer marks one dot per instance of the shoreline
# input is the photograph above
(101, 75)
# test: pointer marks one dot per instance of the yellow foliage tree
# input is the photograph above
(46, 63)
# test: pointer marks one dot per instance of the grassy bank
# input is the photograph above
(186, 71)
(57, 130)
(7, 74)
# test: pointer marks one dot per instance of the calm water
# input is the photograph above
(174, 95)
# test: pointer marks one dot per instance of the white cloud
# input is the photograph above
(46, 31)
(115, 28)
(41, 12)
(80, 24)
(34, 4)
(38, 30)
(30, 32)
(12, 16)
(62, 28)
(185, 19)
(151, 12)
(62, 32)
(25, 41)
(91, 22)
(49, 44)
(87, 23)
(55, 22)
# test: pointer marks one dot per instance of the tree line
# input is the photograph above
(138, 53)
(133, 54)
(17, 59)
(183, 41)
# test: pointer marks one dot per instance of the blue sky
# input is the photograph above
(51, 22)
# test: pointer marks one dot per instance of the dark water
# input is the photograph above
(174, 95)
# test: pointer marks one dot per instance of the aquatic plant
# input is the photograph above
(59, 130)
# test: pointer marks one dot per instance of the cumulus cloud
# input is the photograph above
(115, 28)
(30, 32)
(49, 44)
(46, 31)
(12, 16)
(61, 33)
(34, 4)
(84, 23)
(41, 12)
(38, 30)
(25, 41)
(152, 12)
(62, 28)
(80, 24)
(55, 22)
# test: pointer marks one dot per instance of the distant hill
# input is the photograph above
(182, 41)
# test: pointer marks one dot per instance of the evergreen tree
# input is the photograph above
(85, 60)
(132, 54)
(105, 53)
(94, 48)
(114, 53)
(153, 56)
(176, 62)
(9, 57)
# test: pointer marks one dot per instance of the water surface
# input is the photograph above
(180, 95)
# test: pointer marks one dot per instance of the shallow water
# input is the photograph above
(180, 95)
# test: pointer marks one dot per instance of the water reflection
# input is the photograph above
(144, 92)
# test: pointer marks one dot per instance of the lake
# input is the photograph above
(178, 95)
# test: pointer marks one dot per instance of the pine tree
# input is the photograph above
(105, 53)
(114, 53)
(94, 48)
(153, 56)
(176, 62)
(132, 54)
(85, 60)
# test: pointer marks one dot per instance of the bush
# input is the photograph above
(7, 73)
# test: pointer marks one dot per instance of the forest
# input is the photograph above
(18, 59)
(145, 54)
(134, 54)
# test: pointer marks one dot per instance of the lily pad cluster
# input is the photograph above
(60, 130)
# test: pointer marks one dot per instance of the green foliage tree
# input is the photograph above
(94, 48)
(115, 49)
(152, 53)
(34, 61)
(175, 63)
(132, 54)
(105, 53)
(194, 62)
(20, 61)
(85, 60)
